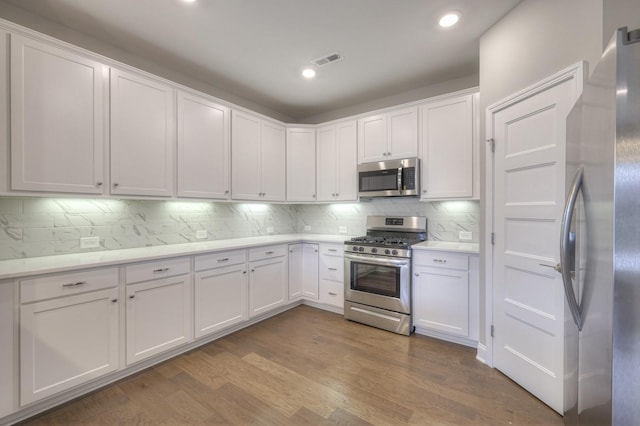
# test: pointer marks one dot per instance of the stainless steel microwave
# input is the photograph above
(390, 178)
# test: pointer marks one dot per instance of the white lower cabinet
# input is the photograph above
(303, 271)
(159, 311)
(7, 346)
(220, 291)
(331, 273)
(444, 300)
(268, 279)
(68, 335)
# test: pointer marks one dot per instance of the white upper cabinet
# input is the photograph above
(392, 135)
(446, 148)
(57, 119)
(301, 164)
(142, 135)
(258, 158)
(337, 178)
(203, 148)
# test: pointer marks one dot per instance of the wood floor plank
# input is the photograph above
(308, 366)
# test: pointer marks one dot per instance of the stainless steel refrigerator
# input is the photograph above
(600, 242)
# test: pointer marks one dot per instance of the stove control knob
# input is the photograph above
(394, 252)
(387, 251)
(374, 250)
(361, 249)
(355, 248)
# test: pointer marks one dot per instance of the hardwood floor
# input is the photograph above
(308, 366)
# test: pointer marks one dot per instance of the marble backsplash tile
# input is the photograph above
(32, 227)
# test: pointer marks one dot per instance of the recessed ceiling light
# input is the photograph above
(308, 73)
(189, 1)
(449, 19)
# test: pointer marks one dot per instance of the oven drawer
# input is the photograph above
(441, 259)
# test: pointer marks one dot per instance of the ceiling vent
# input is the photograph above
(325, 60)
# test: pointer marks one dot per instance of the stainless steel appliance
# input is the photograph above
(600, 242)
(377, 272)
(391, 178)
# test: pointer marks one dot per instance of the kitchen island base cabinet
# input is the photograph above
(268, 279)
(67, 341)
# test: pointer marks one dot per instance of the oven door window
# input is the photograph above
(376, 279)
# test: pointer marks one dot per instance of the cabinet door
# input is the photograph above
(441, 300)
(301, 165)
(347, 156)
(273, 162)
(327, 161)
(447, 148)
(372, 139)
(57, 119)
(267, 285)
(203, 148)
(158, 316)
(296, 276)
(403, 133)
(142, 135)
(310, 271)
(7, 349)
(67, 341)
(220, 298)
(245, 156)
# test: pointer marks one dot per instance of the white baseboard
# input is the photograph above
(482, 353)
(448, 337)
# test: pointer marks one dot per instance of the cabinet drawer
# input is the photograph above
(66, 284)
(157, 269)
(220, 259)
(267, 252)
(440, 259)
(332, 268)
(332, 249)
(332, 293)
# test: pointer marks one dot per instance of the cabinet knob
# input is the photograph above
(417, 274)
(114, 300)
(253, 270)
(337, 194)
(424, 190)
(98, 183)
(314, 196)
(244, 272)
(115, 184)
(226, 191)
(132, 296)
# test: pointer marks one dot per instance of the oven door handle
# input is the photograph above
(399, 179)
(378, 260)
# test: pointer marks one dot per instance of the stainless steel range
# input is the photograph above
(377, 272)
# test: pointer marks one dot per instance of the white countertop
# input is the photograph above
(50, 264)
(469, 248)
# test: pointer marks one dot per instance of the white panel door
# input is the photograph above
(273, 162)
(67, 341)
(245, 156)
(159, 316)
(301, 165)
(296, 276)
(142, 135)
(220, 297)
(347, 158)
(403, 133)
(57, 119)
(267, 285)
(372, 138)
(327, 161)
(529, 179)
(203, 148)
(310, 271)
(446, 147)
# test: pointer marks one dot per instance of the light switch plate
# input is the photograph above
(269, 229)
(343, 229)
(307, 227)
(89, 242)
(465, 235)
(201, 234)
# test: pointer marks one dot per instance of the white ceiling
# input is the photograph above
(256, 49)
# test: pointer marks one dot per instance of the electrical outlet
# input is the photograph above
(269, 229)
(465, 235)
(89, 242)
(201, 234)
(343, 229)
(307, 227)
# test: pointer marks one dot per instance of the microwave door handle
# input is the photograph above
(399, 179)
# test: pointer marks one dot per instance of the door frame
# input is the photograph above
(576, 71)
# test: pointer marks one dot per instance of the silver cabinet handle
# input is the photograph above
(268, 252)
(332, 249)
(332, 293)
(161, 270)
(333, 269)
(224, 259)
(565, 227)
(440, 260)
(76, 284)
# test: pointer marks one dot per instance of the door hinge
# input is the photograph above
(493, 144)
(492, 331)
(493, 238)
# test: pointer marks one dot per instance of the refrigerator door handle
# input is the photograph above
(565, 244)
